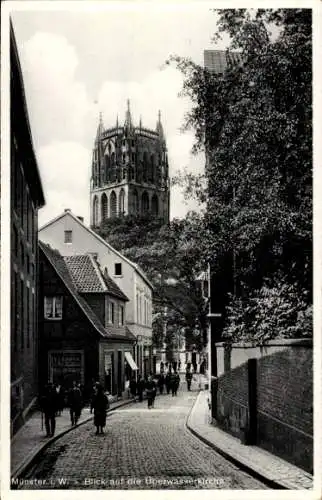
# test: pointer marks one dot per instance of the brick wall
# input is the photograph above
(232, 400)
(285, 405)
(284, 402)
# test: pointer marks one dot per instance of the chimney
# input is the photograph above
(80, 218)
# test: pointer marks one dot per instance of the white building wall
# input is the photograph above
(84, 241)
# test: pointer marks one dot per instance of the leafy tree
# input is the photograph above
(172, 256)
(255, 124)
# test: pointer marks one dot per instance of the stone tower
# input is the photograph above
(130, 173)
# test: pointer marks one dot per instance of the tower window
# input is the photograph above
(68, 236)
(118, 269)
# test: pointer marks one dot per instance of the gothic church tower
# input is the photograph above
(130, 172)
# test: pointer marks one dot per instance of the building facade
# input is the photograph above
(82, 324)
(26, 197)
(70, 236)
(130, 172)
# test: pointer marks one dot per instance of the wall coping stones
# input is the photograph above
(302, 342)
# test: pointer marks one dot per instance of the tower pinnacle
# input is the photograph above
(159, 127)
(128, 117)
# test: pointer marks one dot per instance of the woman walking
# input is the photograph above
(100, 405)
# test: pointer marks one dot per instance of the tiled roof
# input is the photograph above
(88, 277)
(99, 238)
(217, 61)
(112, 287)
(59, 265)
(84, 273)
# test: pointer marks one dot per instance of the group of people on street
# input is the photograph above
(54, 399)
(169, 382)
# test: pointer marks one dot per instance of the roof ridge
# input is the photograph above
(74, 293)
(98, 271)
(132, 264)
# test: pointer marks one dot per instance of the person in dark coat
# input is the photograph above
(49, 406)
(188, 379)
(151, 390)
(100, 405)
(75, 403)
(133, 387)
(140, 387)
(60, 399)
(175, 381)
(161, 382)
(168, 382)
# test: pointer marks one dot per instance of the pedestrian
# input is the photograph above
(151, 391)
(60, 399)
(188, 379)
(161, 383)
(100, 405)
(49, 405)
(75, 403)
(175, 381)
(168, 382)
(140, 387)
(133, 387)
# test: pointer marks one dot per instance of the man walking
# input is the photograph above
(49, 406)
(168, 382)
(140, 387)
(188, 379)
(161, 383)
(175, 381)
(75, 403)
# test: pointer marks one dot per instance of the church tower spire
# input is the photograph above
(100, 128)
(128, 117)
(159, 127)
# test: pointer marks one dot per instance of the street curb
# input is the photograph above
(31, 458)
(257, 475)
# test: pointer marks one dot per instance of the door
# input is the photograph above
(119, 373)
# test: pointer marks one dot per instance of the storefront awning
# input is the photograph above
(130, 360)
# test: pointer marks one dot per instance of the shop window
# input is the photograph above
(54, 307)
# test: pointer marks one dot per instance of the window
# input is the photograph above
(54, 307)
(118, 269)
(121, 315)
(111, 313)
(68, 236)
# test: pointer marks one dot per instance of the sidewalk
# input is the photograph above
(30, 439)
(261, 462)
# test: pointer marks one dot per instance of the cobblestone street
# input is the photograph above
(141, 449)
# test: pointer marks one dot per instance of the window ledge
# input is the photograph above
(117, 275)
(53, 319)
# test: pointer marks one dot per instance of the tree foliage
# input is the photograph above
(255, 124)
(172, 256)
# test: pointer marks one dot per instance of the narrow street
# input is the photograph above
(141, 449)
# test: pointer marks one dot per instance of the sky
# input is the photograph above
(79, 63)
